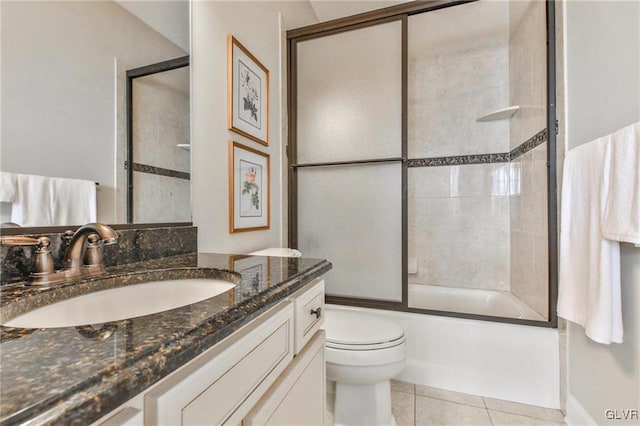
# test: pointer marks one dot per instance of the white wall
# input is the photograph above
(603, 95)
(58, 87)
(256, 26)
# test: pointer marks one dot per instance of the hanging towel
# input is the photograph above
(8, 187)
(621, 221)
(600, 207)
(72, 201)
(31, 204)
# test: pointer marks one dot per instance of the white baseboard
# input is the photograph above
(576, 414)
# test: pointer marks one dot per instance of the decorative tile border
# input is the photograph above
(145, 168)
(459, 159)
(537, 139)
(501, 157)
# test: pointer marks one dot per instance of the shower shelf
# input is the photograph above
(499, 114)
(186, 146)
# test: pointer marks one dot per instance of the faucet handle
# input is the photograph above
(67, 236)
(93, 253)
(18, 240)
(43, 264)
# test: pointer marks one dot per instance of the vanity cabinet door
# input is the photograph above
(298, 396)
(224, 386)
(309, 305)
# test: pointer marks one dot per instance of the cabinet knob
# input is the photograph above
(317, 312)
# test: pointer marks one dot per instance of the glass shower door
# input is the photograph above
(348, 168)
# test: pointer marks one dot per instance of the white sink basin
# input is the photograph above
(121, 303)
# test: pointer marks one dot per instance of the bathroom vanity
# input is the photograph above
(252, 355)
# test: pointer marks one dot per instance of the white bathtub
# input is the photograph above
(470, 300)
(506, 361)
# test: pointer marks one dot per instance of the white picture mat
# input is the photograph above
(239, 221)
(260, 132)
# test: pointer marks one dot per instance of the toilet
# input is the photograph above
(363, 352)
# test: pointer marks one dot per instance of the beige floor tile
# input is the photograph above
(397, 385)
(403, 408)
(461, 398)
(524, 409)
(499, 418)
(431, 411)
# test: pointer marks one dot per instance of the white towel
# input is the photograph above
(73, 201)
(31, 204)
(589, 284)
(8, 187)
(621, 221)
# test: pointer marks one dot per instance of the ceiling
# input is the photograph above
(168, 17)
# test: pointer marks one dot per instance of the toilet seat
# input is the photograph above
(360, 339)
(350, 330)
(365, 347)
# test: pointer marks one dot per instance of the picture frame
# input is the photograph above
(248, 93)
(249, 189)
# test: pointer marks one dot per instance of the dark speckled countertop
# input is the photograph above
(75, 375)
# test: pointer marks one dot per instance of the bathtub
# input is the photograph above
(470, 300)
(498, 360)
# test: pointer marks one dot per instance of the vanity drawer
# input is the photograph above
(309, 307)
(225, 388)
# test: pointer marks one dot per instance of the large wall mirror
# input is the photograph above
(64, 68)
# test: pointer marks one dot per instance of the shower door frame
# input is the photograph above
(402, 12)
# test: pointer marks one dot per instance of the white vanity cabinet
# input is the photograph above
(297, 397)
(309, 312)
(250, 378)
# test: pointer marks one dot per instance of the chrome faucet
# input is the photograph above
(74, 257)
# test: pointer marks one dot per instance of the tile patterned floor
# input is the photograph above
(416, 405)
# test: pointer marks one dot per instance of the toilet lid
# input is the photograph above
(360, 330)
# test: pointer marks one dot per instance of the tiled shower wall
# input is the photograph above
(457, 212)
(528, 207)
(459, 225)
(447, 92)
(481, 225)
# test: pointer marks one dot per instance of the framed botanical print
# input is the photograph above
(249, 180)
(248, 87)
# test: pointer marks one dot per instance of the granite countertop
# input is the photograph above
(76, 375)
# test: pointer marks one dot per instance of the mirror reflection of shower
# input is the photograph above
(159, 148)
